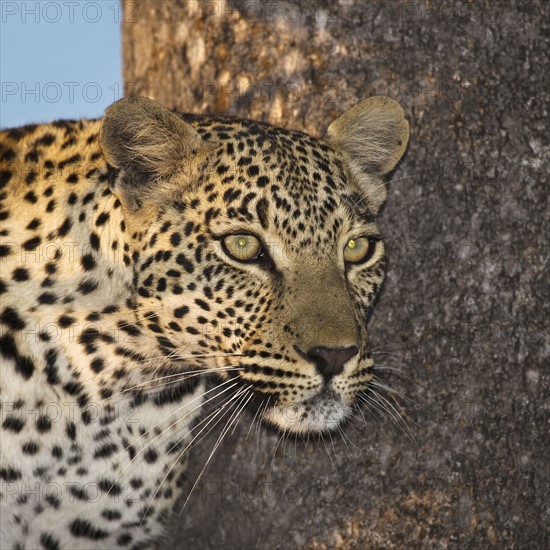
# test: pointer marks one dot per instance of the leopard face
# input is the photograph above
(256, 250)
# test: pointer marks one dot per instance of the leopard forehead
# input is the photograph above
(257, 168)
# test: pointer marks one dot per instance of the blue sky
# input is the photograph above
(58, 59)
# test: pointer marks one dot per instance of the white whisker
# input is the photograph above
(173, 423)
(178, 458)
(236, 414)
(182, 376)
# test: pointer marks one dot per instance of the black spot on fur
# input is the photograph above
(73, 388)
(111, 515)
(185, 263)
(71, 430)
(78, 492)
(109, 486)
(13, 424)
(181, 311)
(83, 528)
(45, 140)
(130, 329)
(31, 197)
(5, 177)
(88, 198)
(30, 448)
(87, 286)
(51, 367)
(88, 262)
(105, 451)
(30, 178)
(9, 474)
(98, 364)
(11, 318)
(33, 224)
(176, 394)
(261, 211)
(88, 338)
(94, 241)
(23, 365)
(47, 298)
(49, 542)
(20, 274)
(202, 304)
(102, 219)
(65, 227)
(33, 243)
(57, 451)
(68, 161)
(65, 321)
(151, 456)
(7, 155)
(32, 156)
(43, 424)
(124, 539)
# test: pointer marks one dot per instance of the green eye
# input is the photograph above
(359, 250)
(242, 247)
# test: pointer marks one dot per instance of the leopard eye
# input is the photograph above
(242, 247)
(359, 250)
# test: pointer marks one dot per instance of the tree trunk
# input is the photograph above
(462, 326)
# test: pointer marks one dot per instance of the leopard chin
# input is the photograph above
(319, 414)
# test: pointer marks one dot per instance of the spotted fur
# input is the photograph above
(119, 297)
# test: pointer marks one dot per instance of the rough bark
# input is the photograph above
(465, 311)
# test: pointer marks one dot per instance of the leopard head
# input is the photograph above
(258, 257)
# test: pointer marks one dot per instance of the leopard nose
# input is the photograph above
(330, 361)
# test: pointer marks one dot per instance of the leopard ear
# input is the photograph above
(147, 142)
(373, 136)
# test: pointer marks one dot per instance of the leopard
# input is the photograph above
(156, 263)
